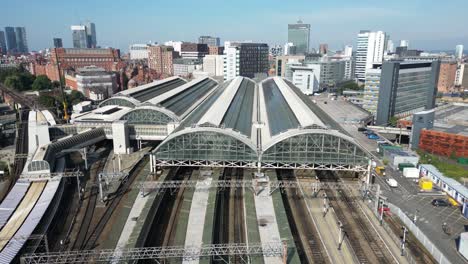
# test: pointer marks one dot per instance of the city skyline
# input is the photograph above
(335, 22)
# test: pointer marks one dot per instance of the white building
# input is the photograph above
(404, 43)
(213, 65)
(289, 49)
(138, 51)
(177, 45)
(459, 52)
(390, 46)
(95, 83)
(231, 61)
(370, 49)
(348, 51)
(184, 67)
(371, 90)
(306, 78)
(459, 74)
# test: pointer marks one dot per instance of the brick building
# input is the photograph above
(78, 58)
(447, 74)
(215, 50)
(193, 50)
(160, 59)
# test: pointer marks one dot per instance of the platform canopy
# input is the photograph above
(269, 124)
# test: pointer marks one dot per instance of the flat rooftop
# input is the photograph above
(452, 119)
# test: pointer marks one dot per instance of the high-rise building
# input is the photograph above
(447, 74)
(348, 51)
(323, 49)
(193, 50)
(406, 87)
(209, 40)
(80, 38)
(459, 74)
(370, 50)
(459, 52)
(245, 59)
(3, 45)
(404, 43)
(11, 39)
(91, 35)
(390, 46)
(299, 35)
(21, 40)
(58, 43)
(161, 59)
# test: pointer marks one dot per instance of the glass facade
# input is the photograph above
(206, 145)
(146, 116)
(412, 91)
(316, 148)
(299, 35)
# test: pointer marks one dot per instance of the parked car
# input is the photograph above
(440, 202)
(391, 182)
(372, 136)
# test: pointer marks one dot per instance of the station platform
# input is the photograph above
(272, 221)
(201, 217)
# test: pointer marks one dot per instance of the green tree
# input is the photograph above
(393, 121)
(42, 82)
(14, 82)
(47, 101)
(76, 97)
(56, 84)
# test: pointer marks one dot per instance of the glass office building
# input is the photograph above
(299, 35)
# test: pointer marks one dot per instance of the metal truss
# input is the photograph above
(264, 165)
(157, 253)
(51, 176)
(251, 184)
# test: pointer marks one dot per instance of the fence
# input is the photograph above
(435, 252)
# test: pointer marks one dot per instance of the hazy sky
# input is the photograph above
(427, 24)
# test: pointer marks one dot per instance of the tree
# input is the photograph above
(56, 84)
(42, 82)
(393, 121)
(76, 97)
(13, 82)
(47, 101)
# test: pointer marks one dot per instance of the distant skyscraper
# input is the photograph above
(3, 42)
(459, 52)
(299, 35)
(80, 38)
(348, 51)
(323, 49)
(11, 39)
(21, 40)
(370, 49)
(390, 46)
(404, 43)
(91, 35)
(58, 43)
(209, 40)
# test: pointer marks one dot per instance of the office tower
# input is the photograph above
(161, 59)
(91, 35)
(370, 50)
(406, 87)
(11, 39)
(390, 46)
(193, 50)
(404, 43)
(299, 35)
(3, 46)
(245, 59)
(21, 40)
(58, 43)
(348, 51)
(209, 40)
(80, 38)
(323, 49)
(459, 52)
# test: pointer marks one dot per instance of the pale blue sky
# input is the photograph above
(428, 24)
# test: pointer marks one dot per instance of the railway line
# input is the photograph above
(306, 237)
(364, 240)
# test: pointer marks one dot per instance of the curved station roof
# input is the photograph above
(272, 123)
(159, 102)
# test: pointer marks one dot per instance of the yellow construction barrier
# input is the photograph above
(425, 184)
(452, 201)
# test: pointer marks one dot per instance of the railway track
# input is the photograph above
(367, 246)
(419, 254)
(222, 228)
(306, 237)
(90, 243)
(90, 205)
(236, 209)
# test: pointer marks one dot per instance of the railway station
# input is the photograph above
(243, 171)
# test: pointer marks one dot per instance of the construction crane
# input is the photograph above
(64, 102)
